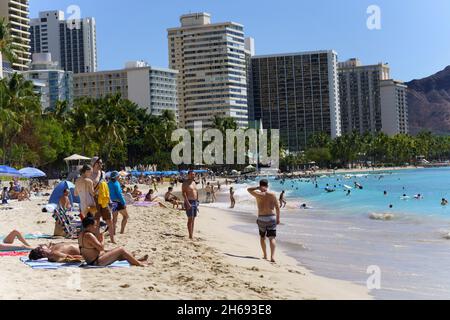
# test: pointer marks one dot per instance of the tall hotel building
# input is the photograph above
(298, 94)
(72, 43)
(16, 13)
(211, 60)
(360, 95)
(394, 107)
(369, 101)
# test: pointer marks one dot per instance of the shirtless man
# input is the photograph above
(84, 188)
(60, 252)
(8, 242)
(94, 253)
(191, 203)
(267, 220)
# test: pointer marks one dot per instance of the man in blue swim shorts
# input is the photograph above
(190, 196)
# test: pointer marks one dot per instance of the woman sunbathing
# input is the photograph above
(8, 242)
(92, 250)
(60, 252)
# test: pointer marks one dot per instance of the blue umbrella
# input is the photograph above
(6, 171)
(59, 191)
(31, 173)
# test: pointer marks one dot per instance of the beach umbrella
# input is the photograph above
(59, 190)
(31, 173)
(6, 171)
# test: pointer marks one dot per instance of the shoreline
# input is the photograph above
(287, 274)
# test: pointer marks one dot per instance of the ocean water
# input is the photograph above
(337, 238)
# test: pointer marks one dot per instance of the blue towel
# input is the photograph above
(46, 265)
(33, 237)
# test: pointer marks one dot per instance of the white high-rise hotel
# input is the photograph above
(72, 43)
(211, 60)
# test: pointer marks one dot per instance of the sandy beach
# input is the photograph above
(220, 264)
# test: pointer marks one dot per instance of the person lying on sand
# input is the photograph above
(60, 252)
(8, 242)
(94, 253)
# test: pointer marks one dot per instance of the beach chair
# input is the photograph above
(71, 227)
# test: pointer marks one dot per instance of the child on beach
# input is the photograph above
(5, 195)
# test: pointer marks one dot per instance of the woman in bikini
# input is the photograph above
(92, 250)
(8, 242)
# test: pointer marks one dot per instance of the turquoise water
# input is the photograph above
(337, 239)
(432, 184)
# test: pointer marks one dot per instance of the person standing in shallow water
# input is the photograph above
(232, 199)
(268, 216)
(191, 203)
(283, 201)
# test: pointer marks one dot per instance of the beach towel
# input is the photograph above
(44, 264)
(34, 236)
(14, 253)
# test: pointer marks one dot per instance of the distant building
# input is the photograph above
(367, 99)
(72, 43)
(16, 13)
(298, 94)
(211, 60)
(154, 89)
(394, 106)
(359, 87)
(52, 83)
(249, 53)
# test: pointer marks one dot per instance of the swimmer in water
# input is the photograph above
(444, 202)
(418, 197)
(385, 193)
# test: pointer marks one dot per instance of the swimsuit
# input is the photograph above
(193, 211)
(267, 226)
(92, 263)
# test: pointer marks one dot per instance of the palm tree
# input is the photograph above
(110, 124)
(81, 122)
(224, 124)
(19, 105)
(6, 45)
(8, 125)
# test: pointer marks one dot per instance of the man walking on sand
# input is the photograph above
(190, 196)
(267, 220)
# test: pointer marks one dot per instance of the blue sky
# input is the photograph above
(414, 37)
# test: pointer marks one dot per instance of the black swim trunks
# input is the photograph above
(267, 226)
